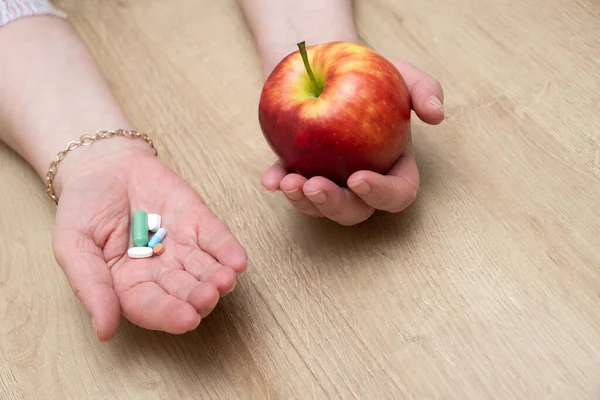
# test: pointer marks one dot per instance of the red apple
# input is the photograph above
(333, 109)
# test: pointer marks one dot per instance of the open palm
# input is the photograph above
(170, 292)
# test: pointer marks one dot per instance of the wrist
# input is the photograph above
(101, 156)
(272, 52)
(279, 25)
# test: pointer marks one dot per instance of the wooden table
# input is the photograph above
(486, 288)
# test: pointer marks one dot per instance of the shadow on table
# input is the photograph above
(384, 237)
(216, 355)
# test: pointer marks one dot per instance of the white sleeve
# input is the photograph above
(11, 10)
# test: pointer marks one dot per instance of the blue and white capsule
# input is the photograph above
(157, 238)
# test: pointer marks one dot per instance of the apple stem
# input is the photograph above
(316, 87)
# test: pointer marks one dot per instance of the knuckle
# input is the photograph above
(221, 237)
(302, 206)
(335, 209)
(368, 213)
(424, 87)
(82, 290)
(406, 201)
(306, 207)
(295, 199)
(384, 199)
(339, 207)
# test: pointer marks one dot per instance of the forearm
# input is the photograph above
(51, 91)
(278, 25)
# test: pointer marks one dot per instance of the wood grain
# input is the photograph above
(486, 288)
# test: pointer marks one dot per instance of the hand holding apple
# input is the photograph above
(338, 116)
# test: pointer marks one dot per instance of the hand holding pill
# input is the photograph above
(166, 274)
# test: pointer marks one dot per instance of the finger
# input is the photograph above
(273, 176)
(218, 241)
(392, 192)
(336, 203)
(89, 277)
(205, 268)
(183, 286)
(388, 193)
(149, 306)
(426, 93)
(291, 186)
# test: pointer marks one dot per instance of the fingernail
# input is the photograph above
(213, 305)
(361, 187)
(268, 187)
(207, 312)
(231, 290)
(319, 197)
(436, 102)
(293, 194)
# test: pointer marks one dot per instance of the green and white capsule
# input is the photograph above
(139, 229)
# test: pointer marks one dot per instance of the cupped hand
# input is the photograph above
(171, 292)
(367, 191)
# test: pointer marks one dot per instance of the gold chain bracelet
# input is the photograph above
(86, 140)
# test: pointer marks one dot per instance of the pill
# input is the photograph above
(158, 249)
(139, 252)
(140, 229)
(157, 238)
(154, 221)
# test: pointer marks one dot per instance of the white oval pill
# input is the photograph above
(139, 252)
(154, 221)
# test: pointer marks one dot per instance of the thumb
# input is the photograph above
(89, 276)
(426, 93)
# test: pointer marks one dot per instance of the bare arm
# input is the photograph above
(278, 25)
(52, 92)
